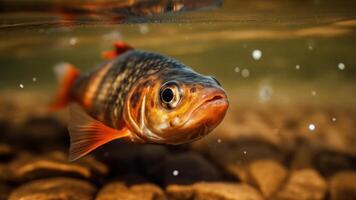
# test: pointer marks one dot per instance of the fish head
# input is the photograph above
(180, 106)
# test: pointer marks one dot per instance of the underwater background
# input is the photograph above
(288, 68)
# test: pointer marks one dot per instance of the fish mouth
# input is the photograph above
(203, 118)
(216, 100)
(213, 109)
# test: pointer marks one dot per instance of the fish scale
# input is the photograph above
(114, 98)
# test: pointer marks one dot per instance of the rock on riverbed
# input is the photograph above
(54, 188)
(259, 154)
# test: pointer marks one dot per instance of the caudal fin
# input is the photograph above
(66, 75)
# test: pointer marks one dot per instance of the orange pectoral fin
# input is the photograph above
(86, 133)
(120, 48)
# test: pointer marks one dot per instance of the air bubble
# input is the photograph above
(311, 127)
(265, 93)
(73, 41)
(256, 54)
(237, 69)
(341, 66)
(245, 73)
(175, 172)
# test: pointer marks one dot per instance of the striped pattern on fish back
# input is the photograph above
(103, 92)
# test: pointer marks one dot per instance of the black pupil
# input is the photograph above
(167, 95)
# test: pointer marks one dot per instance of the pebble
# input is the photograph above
(119, 191)
(326, 161)
(40, 133)
(54, 188)
(304, 155)
(152, 159)
(305, 184)
(230, 155)
(191, 167)
(343, 186)
(250, 156)
(213, 190)
(268, 175)
(167, 167)
(29, 167)
(329, 162)
(121, 156)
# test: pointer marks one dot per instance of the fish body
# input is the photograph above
(142, 96)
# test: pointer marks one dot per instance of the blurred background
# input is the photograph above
(288, 67)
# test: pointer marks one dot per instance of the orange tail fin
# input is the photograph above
(66, 75)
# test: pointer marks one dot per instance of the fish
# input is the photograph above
(140, 96)
(72, 13)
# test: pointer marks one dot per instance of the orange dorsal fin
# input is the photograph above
(120, 48)
(86, 133)
(66, 74)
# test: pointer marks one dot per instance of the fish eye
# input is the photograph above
(170, 95)
(167, 95)
(215, 80)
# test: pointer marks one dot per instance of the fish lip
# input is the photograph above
(214, 98)
(218, 98)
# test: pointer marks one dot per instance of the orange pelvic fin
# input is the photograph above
(67, 74)
(86, 133)
(120, 48)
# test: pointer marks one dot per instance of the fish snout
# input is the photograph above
(214, 107)
(210, 110)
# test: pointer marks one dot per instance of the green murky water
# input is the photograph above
(281, 51)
